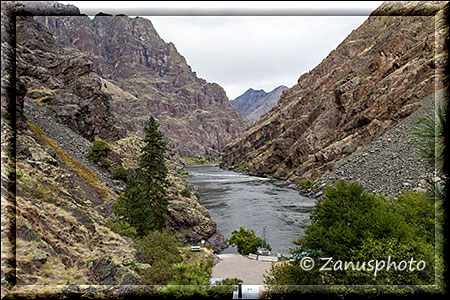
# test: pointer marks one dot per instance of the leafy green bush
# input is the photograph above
(246, 241)
(120, 173)
(158, 245)
(105, 163)
(99, 151)
(306, 184)
(186, 193)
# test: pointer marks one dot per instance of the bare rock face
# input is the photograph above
(370, 82)
(195, 115)
(63, 82)
(254, 103)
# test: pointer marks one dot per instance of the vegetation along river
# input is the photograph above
(234, 199)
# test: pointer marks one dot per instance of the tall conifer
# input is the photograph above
(144, 203)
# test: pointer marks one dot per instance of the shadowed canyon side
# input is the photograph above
(372, 80)
(254, 103)
(154, 78)
(57, 230)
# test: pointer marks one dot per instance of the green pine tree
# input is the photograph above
(144, 203)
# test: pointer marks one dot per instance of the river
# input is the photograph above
(234, 199)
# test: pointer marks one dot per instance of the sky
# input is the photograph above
(246, 44)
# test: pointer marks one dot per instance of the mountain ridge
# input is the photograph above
(254, 103)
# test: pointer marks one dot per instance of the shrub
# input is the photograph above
(99, 151)
(160, 250)
(19, 175)
(120, 173)
(189, 280)
(186, 193)
(121, 227)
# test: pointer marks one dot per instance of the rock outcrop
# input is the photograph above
(372, 80)
(254, 103)
(155, 79)
(63, 82)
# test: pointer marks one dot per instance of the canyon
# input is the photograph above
(374, 79)
(68, 80)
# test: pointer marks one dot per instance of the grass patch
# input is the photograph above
(240, 166)
(306, 184)
(184, 173)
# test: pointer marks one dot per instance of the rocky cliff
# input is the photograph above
(372, 80)
(56, 203)
(254, 103)
(195, 115)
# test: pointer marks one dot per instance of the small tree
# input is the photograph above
(246, 240)
(144, 203)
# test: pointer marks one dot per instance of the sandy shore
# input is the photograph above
(236, 265)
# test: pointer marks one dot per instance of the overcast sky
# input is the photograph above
(260, 51)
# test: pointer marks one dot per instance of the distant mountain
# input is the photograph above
(254, 103)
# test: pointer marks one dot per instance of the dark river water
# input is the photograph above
(235, 199)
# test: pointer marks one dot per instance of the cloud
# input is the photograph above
(254, 51)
